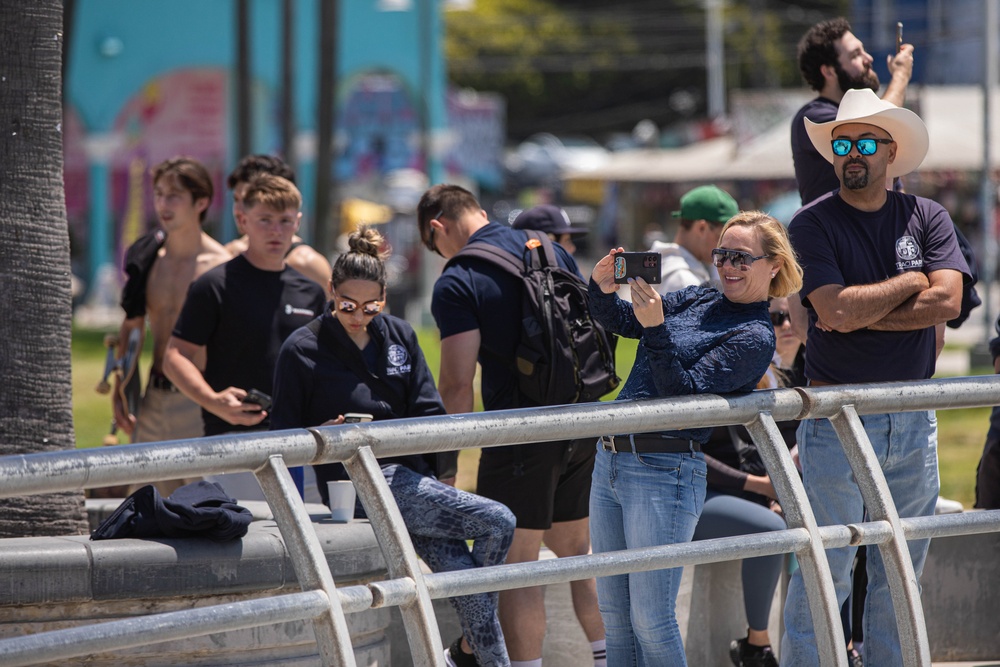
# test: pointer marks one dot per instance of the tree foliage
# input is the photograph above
(596, 67)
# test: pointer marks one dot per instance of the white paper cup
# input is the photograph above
(341, 500)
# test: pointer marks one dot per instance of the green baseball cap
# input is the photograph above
(707, 202)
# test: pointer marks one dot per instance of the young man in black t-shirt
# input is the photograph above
(303, 258)
(237, 315)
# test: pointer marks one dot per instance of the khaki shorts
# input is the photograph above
(167, 415)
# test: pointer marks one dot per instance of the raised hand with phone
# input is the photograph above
(900, 66)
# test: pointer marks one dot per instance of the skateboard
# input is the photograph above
(125, 371)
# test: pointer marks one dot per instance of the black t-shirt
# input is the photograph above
(814, 175)
(475, 294)
(242, 315)
(838, 244)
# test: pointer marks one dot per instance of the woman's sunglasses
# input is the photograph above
(779, 317)
(737, 258)
(842, 147)
(370, 308)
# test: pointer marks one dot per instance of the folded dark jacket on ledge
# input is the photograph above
(199, 509)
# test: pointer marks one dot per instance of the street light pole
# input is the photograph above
(326, 119)
(288, 81)
(243, 101)
(714, 61)
(988, 188)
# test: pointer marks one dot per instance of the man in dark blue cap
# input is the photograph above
(553, 221)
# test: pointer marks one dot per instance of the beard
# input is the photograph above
(867, 79)
(855, 180)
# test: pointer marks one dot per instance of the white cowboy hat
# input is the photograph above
(864, 106)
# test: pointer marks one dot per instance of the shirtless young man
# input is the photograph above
(182, 192)
(301, 257)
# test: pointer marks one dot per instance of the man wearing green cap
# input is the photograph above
(688, 260)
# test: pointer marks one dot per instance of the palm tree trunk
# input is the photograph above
(35, 302)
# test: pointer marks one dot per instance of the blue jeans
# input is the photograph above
(440, 518)
(642, 500)
(906, 447)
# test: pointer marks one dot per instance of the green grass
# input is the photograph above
(91, 410)
(960, 437)
(961, 434)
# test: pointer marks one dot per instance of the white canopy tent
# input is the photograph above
(953, 115)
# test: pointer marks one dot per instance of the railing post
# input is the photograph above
(401, 560)
(815, 568)
(333, 638)
(899, 571)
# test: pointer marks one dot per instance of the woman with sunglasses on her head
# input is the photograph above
(356, 359)
(648, 488)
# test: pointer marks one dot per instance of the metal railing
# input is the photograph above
(359, 445)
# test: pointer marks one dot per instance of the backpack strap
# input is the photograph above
(492, 254)
(510, 262)
(546, 255)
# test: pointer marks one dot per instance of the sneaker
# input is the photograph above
(745, 655)
(854, 658)
(454, 656)
(948, 506)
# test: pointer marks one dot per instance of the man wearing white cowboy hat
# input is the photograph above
(882, 270)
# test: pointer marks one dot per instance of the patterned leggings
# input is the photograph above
(440, 518)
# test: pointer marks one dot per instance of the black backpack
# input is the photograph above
(563, 355)
(970, 298)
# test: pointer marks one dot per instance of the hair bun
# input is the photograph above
(365, 241)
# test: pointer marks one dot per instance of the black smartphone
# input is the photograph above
(356, 417)
(645, 265)
(899, 36)
(255, 397)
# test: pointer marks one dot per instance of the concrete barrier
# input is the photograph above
(961, 596)
(49, 583)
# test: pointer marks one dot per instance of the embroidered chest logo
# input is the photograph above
(398, 360)
(292, 310)
(908, 254)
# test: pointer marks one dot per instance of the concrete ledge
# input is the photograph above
(53, 583)
(74, 569)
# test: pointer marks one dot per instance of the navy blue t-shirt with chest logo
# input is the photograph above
(838, 244)
(475, 294)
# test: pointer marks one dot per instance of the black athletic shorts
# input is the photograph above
(542, 483)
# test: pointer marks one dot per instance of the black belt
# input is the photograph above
(158, 380)
(647, 444)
